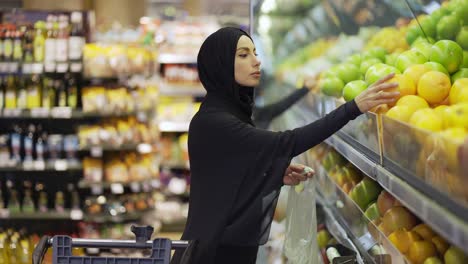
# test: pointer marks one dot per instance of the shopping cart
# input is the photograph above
(62, 248)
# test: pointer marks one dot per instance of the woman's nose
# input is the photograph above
(257, 62)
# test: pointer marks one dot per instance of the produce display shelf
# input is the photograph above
(96, 150)
(434, 212)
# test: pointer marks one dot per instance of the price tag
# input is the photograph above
(16, 112)
(76, 67)
(62, 67)
(61, 112)
(96, 189)
(76, 214)
(61, 165)
(13, 67)
(27, 68)
(37, 68)
(40, 112)
(49, 67)
(135, 187)
(4, 213)
(117, 188)
(96, 151)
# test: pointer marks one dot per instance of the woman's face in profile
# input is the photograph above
(246, 63)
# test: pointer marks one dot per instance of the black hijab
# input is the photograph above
(236, 169)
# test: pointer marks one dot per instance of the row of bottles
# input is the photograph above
(35, 198)
(59, 39)
(34, 91)
(28, 142)
(16, 247)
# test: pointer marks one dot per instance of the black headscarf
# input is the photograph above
(215, 64)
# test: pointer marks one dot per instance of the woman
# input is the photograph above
(237, 169)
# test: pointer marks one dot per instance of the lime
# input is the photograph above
(448, 27)
(465, 60)
(448, 53)
(462, 37)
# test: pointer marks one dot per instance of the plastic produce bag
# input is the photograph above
(300, 246)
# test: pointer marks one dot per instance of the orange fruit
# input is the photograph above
(434, 87)
(402, 239)
(401, 113)
(440, 244)
(405, 85)
(419, 251)
(416, 71)
(459, 91)
(426, 119)
(424, 231)
(413, 101)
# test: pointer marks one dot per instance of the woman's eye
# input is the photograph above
(243, 55)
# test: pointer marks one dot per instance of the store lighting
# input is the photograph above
(268, 6)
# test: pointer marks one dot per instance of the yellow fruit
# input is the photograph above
(401, 113)
(402, 239)
(416, 71)
(455, 256)
(452, 139)
(441, 111)
(459, 91)
(427, 119)
(424, 231)
(457, 115)
(421, 250)
(413, 101)
(440, 244)
(405, 85)
(434, 87)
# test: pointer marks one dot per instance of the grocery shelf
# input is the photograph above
(434, 212)
(5, 214)
(98, 188)
(72, 215)
(174, 58)
(57, 113)
(39, 68)
(168, 89)
(173, 126)
(97, 150)
(59, 166)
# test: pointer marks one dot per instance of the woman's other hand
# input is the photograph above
(294, 174)
(377, 94)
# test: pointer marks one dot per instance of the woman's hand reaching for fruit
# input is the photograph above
(377, 94)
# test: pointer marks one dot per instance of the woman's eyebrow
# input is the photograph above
(245, 48)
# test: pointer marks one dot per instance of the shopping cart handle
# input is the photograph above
(40, 250)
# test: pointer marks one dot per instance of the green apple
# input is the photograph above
(462, 73)
(348, 72)
(365, 65)
(352, 174)
(353, 89)
(377, 71)
(354, 59)
(372, 212)
(391, 58)
(423, 47)
(331, 86)
(435, 66)
(464, 63)
(365, 192)
(433, 260)
(376, 52)
(408, 58)
(454, 255)
(448, 53)
(448, 27)
(322, 238)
